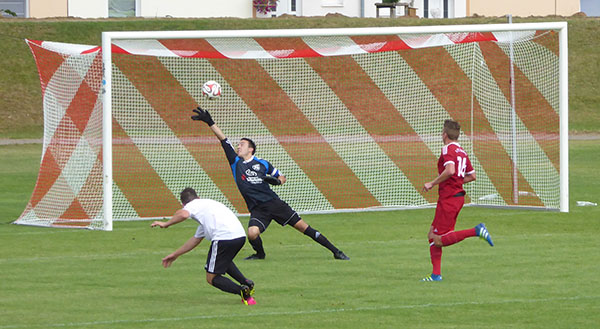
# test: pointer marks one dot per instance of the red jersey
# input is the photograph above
(453, 153)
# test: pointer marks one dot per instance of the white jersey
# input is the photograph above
(216, 221)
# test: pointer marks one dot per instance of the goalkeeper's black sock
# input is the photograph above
(235, 273)
(320, 238)
(226, 285)
(257, 245)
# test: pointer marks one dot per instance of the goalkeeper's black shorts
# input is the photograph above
(275, 209)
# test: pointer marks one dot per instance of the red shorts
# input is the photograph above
(446, 213)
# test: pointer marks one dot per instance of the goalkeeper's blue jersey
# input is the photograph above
(249, 175)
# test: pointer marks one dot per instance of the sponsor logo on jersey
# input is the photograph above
(252, 177)
(254, 180)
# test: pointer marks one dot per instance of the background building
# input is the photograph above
(244, 8)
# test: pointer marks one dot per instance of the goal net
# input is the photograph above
(352, 118)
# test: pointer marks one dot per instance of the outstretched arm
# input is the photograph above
(189, 245)
(203, 115)
(217, 131)
(179, 216)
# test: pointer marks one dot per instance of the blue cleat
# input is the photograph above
(483, 233)
(432, 277)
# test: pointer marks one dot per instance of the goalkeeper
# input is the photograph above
(251, 174)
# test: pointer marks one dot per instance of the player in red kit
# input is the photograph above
(454, 168)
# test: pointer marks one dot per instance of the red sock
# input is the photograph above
(451, 238)
(436, 258)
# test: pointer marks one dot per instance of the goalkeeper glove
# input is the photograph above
(203, 115)
(272, 180)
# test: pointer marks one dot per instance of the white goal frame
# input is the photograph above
(109, 37)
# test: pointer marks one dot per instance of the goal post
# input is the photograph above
(564, 116)
(107, 181)
(352, 117)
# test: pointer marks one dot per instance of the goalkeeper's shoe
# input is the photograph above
(432, 277)
(250, 285)
(340, 255)
(255, 256)
(247, 299)
(483, 233)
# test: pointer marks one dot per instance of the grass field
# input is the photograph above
(542, 273)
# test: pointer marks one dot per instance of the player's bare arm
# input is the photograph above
(179, 216)
(189, 245)
(449, 170)
(218, 132)
(469, 178)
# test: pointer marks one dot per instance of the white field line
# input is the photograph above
(136, 254)
(83, 257)
(304, 312)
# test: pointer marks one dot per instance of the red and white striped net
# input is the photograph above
(353, 122)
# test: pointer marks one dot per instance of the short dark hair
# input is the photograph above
(252, 144)
(188, 194)
(452, 129)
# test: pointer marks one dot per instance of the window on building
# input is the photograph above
(332, 3)
(436, 8)
(121, 8)
(445, 8)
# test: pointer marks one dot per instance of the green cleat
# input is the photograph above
(246, 298)
(250, 285)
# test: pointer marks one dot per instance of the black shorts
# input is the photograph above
(276, 209)
(221, 253)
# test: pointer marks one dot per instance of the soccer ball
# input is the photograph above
(211, 89)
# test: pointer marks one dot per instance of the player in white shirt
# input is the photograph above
(219, 225)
